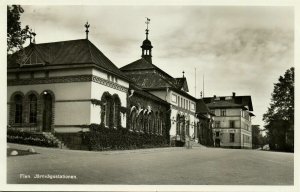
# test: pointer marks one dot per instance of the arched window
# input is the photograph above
(106, 109)
(18, 99)
(178, 125)
(116, 110)
(32, 108)
(133, 120)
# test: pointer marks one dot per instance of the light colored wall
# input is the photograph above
(66, 113)
(229, 112)
(161, 94)
(173, 117)
(62, 91)
(97, 91)
(224, 121)
(103, 75)
(184, 98)
(72, 113)
(225, 137)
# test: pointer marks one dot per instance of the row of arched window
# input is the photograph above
(110, 110)
(146, 121)
(24, 108)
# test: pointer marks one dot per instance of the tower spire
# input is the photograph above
(146, 46)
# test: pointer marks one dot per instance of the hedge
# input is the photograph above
(101, 138)
(28, 138)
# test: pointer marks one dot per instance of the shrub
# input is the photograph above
(101, 138)
(29, 138)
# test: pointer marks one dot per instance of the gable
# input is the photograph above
(33, 59)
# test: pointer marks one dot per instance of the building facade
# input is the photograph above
(70, 87)
(232, 121)
(174, 91)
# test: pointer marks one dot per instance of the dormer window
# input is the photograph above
(33, 59)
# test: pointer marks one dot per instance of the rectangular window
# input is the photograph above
(231, 124)
(174, 98)
(189, 105)
(193, 106)
(217, 124)
(186, 104)
(212, 111)
(178, 101)
(231, 137)
(217, 134)
(108, 77)
(223, 112)
(181, 103)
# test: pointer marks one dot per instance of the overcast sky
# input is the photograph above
(237, 49)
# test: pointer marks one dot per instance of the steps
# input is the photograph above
(51, 137)
(195, 144)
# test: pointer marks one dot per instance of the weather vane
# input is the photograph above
(32, 35)
(147, 30)
(87, 25)
(147, 22)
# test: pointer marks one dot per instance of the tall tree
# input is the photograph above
(16, 36)
(279, 117)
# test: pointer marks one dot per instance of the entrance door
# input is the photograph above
(47, 112)
(217, 142)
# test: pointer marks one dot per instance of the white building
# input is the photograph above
(232, 121)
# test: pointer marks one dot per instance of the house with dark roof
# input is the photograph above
(232, 120)
(61, 89)
(185, 123)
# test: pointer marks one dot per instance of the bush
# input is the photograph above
(28, 138)
(101, 138)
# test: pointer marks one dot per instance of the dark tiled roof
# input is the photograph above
(149, 76)
(138, 65)
(80, 51)
(149, 80)
(239, 100)
(223, 104)
(181, 83)
(201, 107)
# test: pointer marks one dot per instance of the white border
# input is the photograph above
(227, 188)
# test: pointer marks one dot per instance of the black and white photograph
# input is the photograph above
(153, 95)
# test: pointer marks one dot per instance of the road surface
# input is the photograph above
(174, 166)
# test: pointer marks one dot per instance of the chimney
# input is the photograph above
(233, 94)
(215, 96)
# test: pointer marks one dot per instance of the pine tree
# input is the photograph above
(280, 115)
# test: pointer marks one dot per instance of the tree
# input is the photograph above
(16, 36)
(258, 140)
(279, 117)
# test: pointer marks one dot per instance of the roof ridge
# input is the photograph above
(60, 41)
(91, 55)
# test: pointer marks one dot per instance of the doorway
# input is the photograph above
(217, 143)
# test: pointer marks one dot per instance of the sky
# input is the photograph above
(235, 48)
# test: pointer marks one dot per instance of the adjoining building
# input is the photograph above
(232, 121)
(183, 114)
